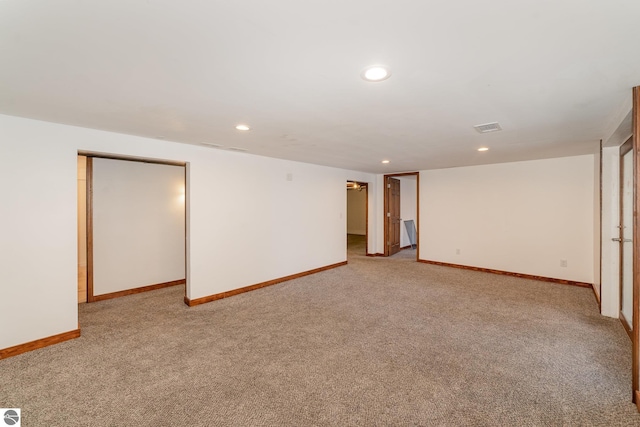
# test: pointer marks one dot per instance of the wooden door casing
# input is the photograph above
(393, 215)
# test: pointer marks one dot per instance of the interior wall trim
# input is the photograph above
(625, 325)
(595, 294)
(510, 273)
(600, 206)
(41, 343)
(635, 338)
(383, 255)
(89, 227)
(130, 158)
(137, 290)
(227, 294)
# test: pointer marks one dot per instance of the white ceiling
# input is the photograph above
(551, 72)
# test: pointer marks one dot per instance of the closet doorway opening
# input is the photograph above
(132, 225)
(401, 213)
(357, 218)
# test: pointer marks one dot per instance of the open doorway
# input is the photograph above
(131, 226)
(357, 218)
(401, 205)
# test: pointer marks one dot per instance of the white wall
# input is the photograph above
(408, 206)
(38, 227)
(247, 222)
(357, 212)
(138, 224)
(522, 217)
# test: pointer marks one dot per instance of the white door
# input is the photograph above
(626, 235)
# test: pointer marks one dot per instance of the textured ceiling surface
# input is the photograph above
(552, 73)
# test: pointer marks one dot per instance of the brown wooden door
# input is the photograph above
(393, 215)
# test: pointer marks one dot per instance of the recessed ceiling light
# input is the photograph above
(376, 73)
(385, 161)
(483, 149)
(242, 127)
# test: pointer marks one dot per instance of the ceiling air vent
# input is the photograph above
(211, 144)
(488, 127)
(237, 149)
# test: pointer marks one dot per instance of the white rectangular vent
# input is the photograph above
(211, 144)
(488, 127)
(237, 149)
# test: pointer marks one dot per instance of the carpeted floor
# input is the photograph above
(379, 342)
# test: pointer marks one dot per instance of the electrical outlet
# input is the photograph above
(457, 251)
(563, 263)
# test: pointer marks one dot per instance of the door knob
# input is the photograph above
(616, 240)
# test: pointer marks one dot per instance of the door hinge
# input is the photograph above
(388, 185)
(388, 243)
(388, 214)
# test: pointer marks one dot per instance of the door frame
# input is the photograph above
(385, 205)
(635, 335)
(89, 222)
(625, 148)
(364, 185)
(392, 217)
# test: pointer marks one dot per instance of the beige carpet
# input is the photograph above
(379, 342)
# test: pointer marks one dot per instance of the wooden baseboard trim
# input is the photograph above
(383, 255)
(595, 294)
(625, 325)
(137, 290)
(233, 292)
(636, 399)
(509, 273)
(34, 345)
